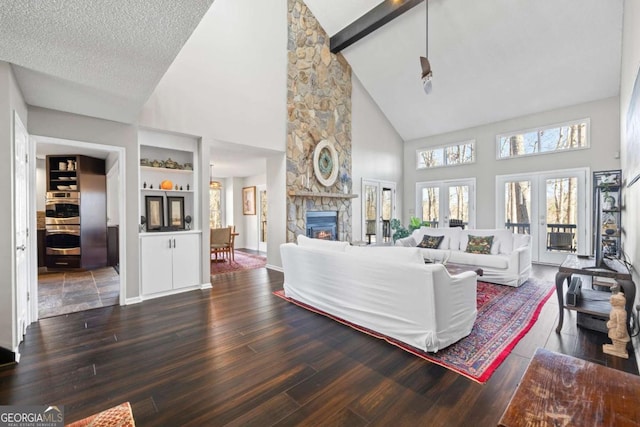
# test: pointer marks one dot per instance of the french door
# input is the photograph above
(551, 207)
(378, 208)
(442, 201)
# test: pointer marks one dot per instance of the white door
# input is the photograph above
(439, 202)
(378, 208)
(551, 207)
(21, 174)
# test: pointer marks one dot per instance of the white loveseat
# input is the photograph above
(509, 262)
(386, 289)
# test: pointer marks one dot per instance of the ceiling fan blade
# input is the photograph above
(426, 67)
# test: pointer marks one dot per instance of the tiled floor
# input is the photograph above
(68, 292)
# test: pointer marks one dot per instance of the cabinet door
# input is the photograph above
(156, 261)
(186, 260)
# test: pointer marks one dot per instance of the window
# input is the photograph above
(449, 155)
(215, 207)
(549, 139)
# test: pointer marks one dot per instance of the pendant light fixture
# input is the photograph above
(424, 62)
(213, 185)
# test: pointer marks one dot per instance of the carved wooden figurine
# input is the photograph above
(617, 325)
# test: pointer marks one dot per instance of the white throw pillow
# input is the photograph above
(327, 245)
(389, 253)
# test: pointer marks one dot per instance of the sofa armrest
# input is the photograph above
(409, 242)
(520, 258)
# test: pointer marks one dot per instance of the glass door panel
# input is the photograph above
(387, 211)
(378, 208)
(438, 202)
(431, 205)
(459, 203)
(370, 212)
(517, 196)
(561, 214)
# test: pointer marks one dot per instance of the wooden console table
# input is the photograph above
(593, 302)
(560, 390)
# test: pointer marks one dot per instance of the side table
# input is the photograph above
(560, 390)
(593, 301)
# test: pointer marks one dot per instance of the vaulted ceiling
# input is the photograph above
(491, 60)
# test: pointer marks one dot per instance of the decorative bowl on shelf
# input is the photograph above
(73, 187)
(170, 164)
(62, 187)
(157, 164)
(144, 162)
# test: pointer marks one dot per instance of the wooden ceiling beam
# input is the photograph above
(385, 12)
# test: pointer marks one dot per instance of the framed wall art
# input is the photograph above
(155, 212)
(249, 200)
(175, 212)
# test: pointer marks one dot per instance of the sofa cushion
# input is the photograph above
(451, 236)
(484, 261)
(479, 244)
(502, 239)
(431, 242)
(327, 245)
(389, 253)
(408, 242)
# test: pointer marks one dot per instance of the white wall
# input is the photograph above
(10, 100)
(56, 124)
(276, 208)
(229, 80)
(377, 151)
(605, 134)
(630, 149)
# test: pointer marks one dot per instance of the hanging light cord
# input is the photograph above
(426, 14)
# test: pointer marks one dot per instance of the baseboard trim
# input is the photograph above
(206, 286)
(134, 300)
(275, 267)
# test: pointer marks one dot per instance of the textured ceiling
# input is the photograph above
(97, 58)
(491, 60)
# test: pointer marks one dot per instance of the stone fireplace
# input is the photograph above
(318, 112)
(322, 225)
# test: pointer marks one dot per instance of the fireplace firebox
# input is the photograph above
(322, 225)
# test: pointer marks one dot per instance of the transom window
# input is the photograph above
(567, 136)
(448, 155)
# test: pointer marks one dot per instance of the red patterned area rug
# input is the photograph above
(505, 315)
(243, 261)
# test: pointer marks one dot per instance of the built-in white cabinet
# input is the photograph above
(170, 231)
(169, 261)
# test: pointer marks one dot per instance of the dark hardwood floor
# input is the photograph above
(237, 355)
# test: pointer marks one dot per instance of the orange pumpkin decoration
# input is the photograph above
(166, 185)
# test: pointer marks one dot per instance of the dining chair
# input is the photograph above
(219, 241)
(232, 240)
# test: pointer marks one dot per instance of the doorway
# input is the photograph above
(439, 202)
(60, 291)
(551, 207)
(378, 208)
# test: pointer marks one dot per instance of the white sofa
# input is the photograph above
(509, 262)
(386, 289)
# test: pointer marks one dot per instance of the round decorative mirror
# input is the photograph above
(325, 163)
